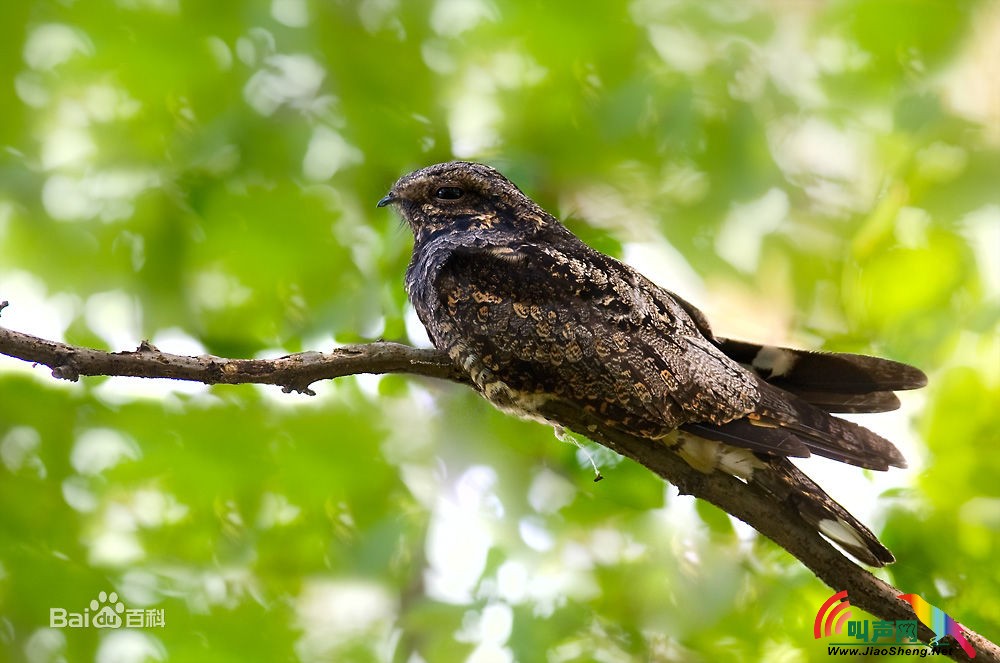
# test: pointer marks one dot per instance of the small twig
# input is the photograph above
(296, 372)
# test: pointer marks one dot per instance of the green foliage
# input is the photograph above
(204, 175)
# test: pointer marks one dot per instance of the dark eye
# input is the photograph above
(449, 193)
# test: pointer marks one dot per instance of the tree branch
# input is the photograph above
(292, 372)
(296, 372)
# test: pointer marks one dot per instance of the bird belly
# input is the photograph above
(503, 396)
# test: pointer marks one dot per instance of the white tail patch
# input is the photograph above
(776, 361)
(842, 533)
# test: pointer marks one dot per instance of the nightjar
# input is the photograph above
(537, 319)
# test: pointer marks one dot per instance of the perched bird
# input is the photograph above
(536, 318)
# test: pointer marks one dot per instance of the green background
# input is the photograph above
(203, 175)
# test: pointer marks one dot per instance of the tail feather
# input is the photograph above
(797, 392)
(875, 401)
(789, 484)
(827, 435)
(836, 382)
(772, 441)
(785, 425)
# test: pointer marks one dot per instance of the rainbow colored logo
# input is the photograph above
(834, 621)
(938, 621)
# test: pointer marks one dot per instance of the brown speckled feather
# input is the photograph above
(536, 317)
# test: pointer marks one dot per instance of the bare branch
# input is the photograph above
(296, 372)
(292, 372)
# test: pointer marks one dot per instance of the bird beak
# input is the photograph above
(387, 200)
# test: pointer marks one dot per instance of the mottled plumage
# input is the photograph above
(534, 316)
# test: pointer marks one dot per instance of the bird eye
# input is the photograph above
(449, 193)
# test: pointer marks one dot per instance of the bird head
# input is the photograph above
(462, 196)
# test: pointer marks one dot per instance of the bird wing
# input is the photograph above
(833, 381)
(567, 321)
(781, 418)
(778, 421)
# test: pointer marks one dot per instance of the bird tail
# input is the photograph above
(789, 484)
(834, 382)
(784, 424)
